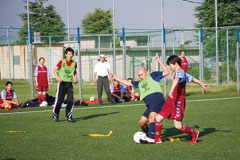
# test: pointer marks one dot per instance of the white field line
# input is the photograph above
(115, 106)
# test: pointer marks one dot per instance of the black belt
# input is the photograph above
(103, 76)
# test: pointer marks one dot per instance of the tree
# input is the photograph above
(44, 20)
(100, 21)
(228, 15)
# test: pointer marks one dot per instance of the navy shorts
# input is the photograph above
(155, 105)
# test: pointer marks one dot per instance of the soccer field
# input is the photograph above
(215, 116)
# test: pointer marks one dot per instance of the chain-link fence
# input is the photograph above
(136, 48)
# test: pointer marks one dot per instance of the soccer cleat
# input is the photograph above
(70, 119)
(56, 120)
(194, 137)
(147, 141)
(158, 140)
(100, 103)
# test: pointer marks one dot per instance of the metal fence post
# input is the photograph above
(227, 58)
(164, 59)
(199, 53)
(99, 45)
(9, 55)
(173, 39)
(31, 63)
(124, 53)
(79, 68)
(148, 58)
(202, 59)
(50, 57)
(238, 85)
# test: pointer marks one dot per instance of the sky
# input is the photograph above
(132, 14)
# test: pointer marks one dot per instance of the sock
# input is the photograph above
(187, 129)
(151, 132)
(39, 98)
(44, 97)
(145, 129)
(158, 130)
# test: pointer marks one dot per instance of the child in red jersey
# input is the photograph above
(7, 95)
(118, 92)
(175, 105)
(185, 62)
(42, 78)
(130, 91)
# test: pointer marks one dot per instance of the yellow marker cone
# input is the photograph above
(17, 131)
(99, 135)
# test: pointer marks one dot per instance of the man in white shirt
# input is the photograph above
(102, 70)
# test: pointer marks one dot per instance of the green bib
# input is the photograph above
(148, 86)
(66, 72)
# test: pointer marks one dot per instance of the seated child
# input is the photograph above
(7, 95)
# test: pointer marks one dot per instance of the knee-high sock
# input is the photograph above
(158, 130)
(145, 129)
(39, 98)
(44, 97)
(151, 131)
(187, 129)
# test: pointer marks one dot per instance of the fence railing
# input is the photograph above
(131, 50)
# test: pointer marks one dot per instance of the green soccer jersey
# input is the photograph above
(148, 86)
(66, 72)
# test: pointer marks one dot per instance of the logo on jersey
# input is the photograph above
(178, 109)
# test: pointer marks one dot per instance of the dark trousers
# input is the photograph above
(63, 88)
(103, 81)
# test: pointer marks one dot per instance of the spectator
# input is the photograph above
(42, 79)
(130, 91)
(118, 92)
(185, 62)
(7, 95)
(102, 70)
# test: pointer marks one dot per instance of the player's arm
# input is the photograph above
(75, 75)
(195, 80)
(174, 84)
(165, 71)
(94, 77)
(189, 63)
(36, 81)
(121, 80)
(56, 75)
(205, 86)
(17, 101)
(10, 102)
(35, 75)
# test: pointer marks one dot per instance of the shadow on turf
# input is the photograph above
(94, 116)
(172, 132)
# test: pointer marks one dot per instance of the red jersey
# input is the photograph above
(8, 95)
(68, 63)
(116, 89)
(129, 89)
(42, 73)
(184, 64)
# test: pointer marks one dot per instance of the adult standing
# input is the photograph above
(65, 73)
(185, 62)
(101, 72)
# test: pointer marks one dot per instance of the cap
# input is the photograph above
(102, 55)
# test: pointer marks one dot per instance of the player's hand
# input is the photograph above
(94, 80)
(59, 79)
(74, 81)
(206, 86)
(49, 84)
(36, 84)
(170, 94)
(157, 58)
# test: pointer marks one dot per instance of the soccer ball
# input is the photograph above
(8, 107)
(43, 104)
(139, 135)
(92, 98)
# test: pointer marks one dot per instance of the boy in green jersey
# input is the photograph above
(65, 73)
(151, 94)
